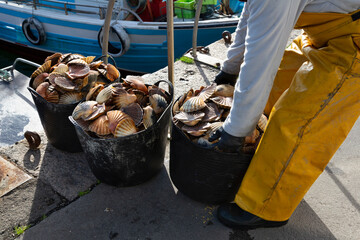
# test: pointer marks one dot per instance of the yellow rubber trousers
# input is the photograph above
(314, 102)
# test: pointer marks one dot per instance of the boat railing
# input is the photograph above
(64, 6)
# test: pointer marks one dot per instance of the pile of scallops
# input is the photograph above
(199, 113)
(67, 78)
(121, 109)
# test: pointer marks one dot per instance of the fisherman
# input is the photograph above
(310, 93)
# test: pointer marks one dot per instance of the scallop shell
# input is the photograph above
(262, 122)
(70, 98)
(207, 92)
(98, 110)
(224, 90)
(190, 119)
(94, 91)
(253, 137)
(111, 72)
(214, 126)
(193, 104)
(83, 124)
(43, 68)
(52, 96)
(186, 97)
(142, 98)
(212, 112)
(122, 98)
(149, 117)
(39, 79)
(115, 116)
(125, 127)
(78, 69)
(84, 109)
(196, 130)
(156, 90)
(42, 88)
(135, 111)
(53, 58)
(100, 126)
(61, 68)
(95, 65)
(105, 94)
(64, 83)
(80, 83)
(224, 102)
(88, 59)
(158, 103)
(136, 82)
(66, 58)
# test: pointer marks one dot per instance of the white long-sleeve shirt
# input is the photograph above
(256, 52)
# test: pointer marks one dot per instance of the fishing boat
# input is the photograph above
(138, 28)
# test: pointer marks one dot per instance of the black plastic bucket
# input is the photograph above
(54, 119)
(203, 174)
(128, 160)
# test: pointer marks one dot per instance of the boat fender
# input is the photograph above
(32, 24)
(123, 38)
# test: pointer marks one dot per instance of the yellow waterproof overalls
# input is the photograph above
(314, 102)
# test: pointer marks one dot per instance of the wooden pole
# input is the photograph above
(106, 29)
(195, 29)
(170, 39)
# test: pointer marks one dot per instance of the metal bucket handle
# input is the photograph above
(171, 88)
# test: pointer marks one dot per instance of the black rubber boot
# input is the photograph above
(233, 216)
(225, 78)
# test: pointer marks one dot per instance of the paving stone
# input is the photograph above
(67, 173)
(10, 176)
(25, 205)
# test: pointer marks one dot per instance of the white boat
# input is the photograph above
(138, 32)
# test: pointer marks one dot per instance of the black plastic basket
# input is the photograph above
(202, 174)
(54, 119)
(128, 160)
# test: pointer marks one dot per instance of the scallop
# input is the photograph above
(212, 112)
(98, 110)
(88, 59)
(39, 79)
(193, 104)
(42, 88)
(207, 92)
(94, 91)
(52, 96)
(66, 58)
(189, 119)
(105, 94)
(149, 117)
(61, 69)
(136, 82)
(156, 90)
(186, 97)
(158, 103)
(70, 98)
(262, 122)
(224, 90)
(54, 58)
(115, 116)
(125, 127)
(135, 111)
(224, 102)
(123, 99)
(197, 130)
(78, 69)
(95, 65)
(100, 126)
(142, 98)
(253, 137)
(64, 83)
(42, 69)
(84, 109)
(111, 72)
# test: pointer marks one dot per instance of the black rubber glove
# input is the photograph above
(225, 78)
(227, 142)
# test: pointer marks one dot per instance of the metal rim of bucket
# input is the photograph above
(134, 134)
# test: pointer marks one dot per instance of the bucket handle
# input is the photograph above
(33, 92)
(171, 88)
